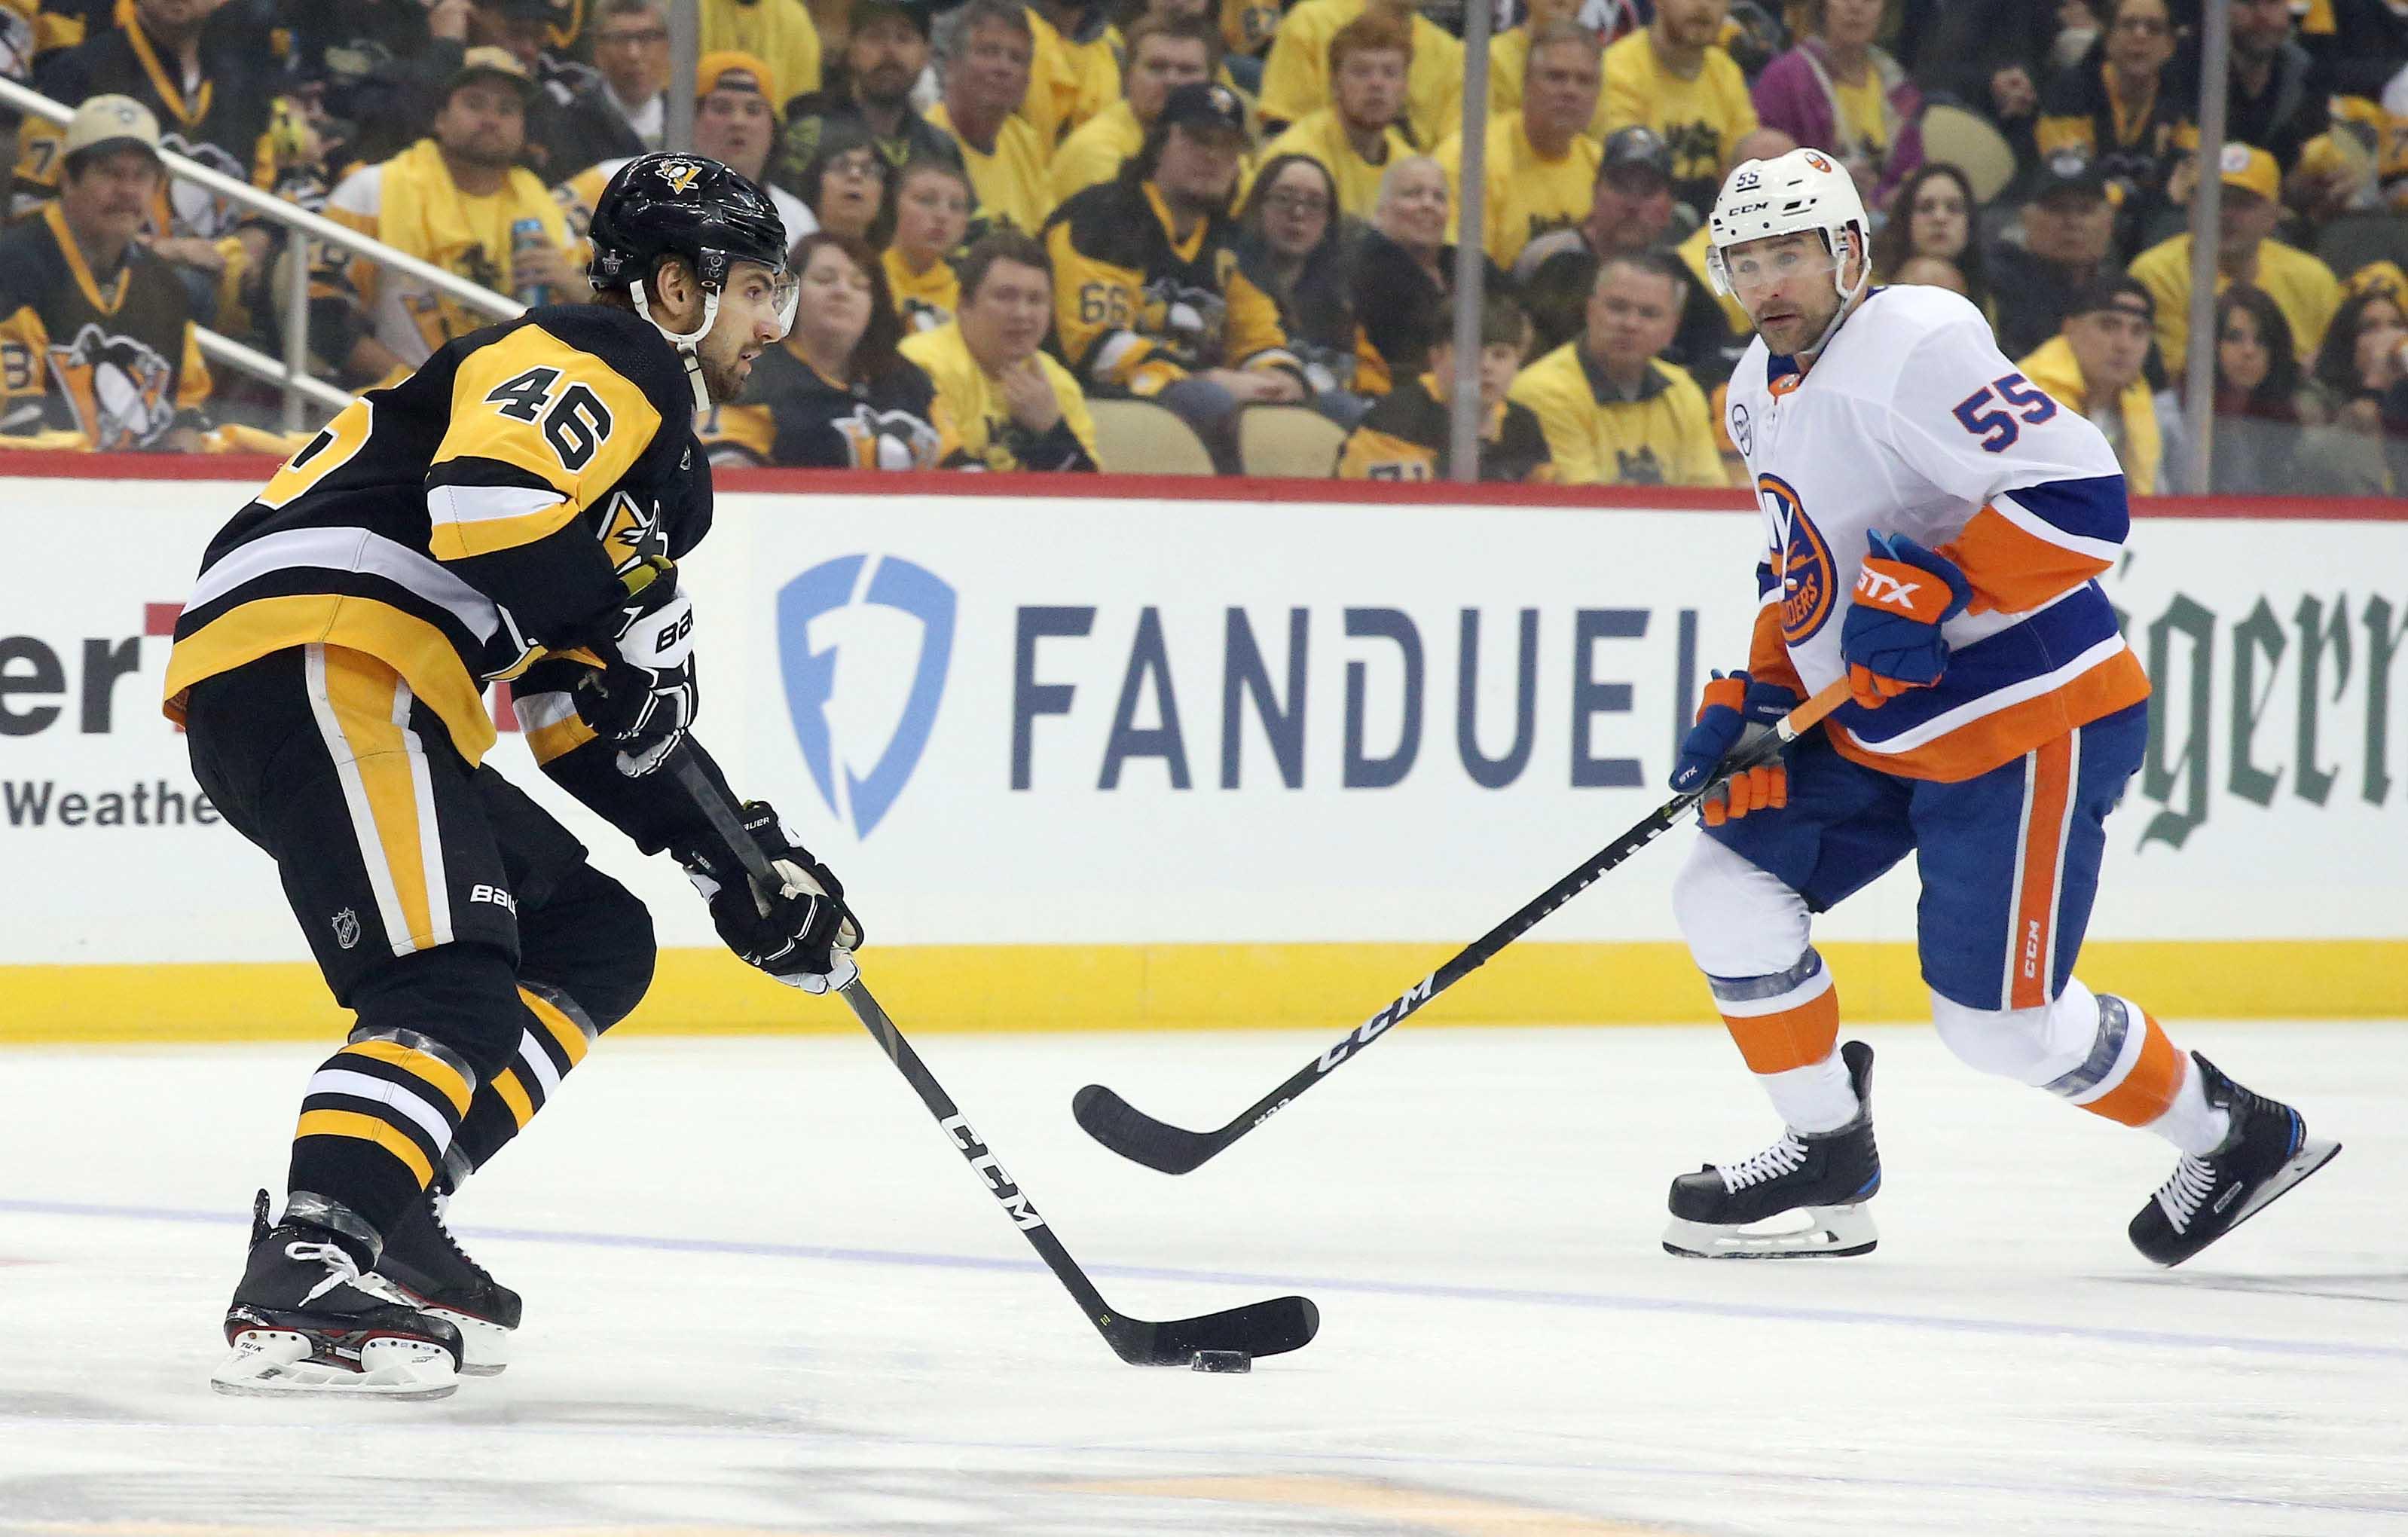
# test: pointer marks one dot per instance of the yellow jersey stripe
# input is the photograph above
(438, 1074)
(506, 1084)
(367, 1128)
(560, 1028)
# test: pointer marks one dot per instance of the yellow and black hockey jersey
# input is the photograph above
(113, 359)
(1405, 436)
(1136, 309)
(468, 521)
(794, 415)
(223, 123)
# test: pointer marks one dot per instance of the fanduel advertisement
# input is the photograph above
(1097, 722)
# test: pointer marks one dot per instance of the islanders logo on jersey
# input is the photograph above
(1802, 561)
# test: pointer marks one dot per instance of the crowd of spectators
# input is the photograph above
(1007, 213)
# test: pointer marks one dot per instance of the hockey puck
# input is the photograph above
(1222, 1360)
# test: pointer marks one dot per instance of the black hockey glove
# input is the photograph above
(644, 698)
(803, 934)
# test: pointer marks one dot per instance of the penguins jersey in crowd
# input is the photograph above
(794, 415)
(1404, 437)
(114, 360)
(975, 421)
(1912, 422)
(1136, 309)
(468, 524)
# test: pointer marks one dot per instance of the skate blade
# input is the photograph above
(2314, 1153)
(484, 1345)
(276, 1363)
(1829, 1232)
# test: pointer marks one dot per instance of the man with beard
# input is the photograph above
(460, 200)
(1354, 138)
(515, 509)
(1148, 297)
(882, 61)
(1677, 78)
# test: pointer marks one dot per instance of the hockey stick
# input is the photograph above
(1175, 1150)
(1258, 1328)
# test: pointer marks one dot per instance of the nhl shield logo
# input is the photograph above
(346, 928)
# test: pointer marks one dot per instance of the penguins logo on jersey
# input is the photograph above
(633, 533)
(1802, 561)
(119, 385)
(887, 439)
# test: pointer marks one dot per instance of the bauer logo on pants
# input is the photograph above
(828, 612)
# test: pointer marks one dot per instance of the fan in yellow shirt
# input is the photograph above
(1163, 52)
(932, 211)
(1509, 57)
(1614, 414)
(1541, 168)
(1355, 139)
(999, 397)
(986, 46)
(1296, 76)
(1074, 74)
(1676, 78)
(2302, 287)
(779, 33)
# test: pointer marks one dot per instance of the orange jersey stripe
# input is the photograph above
(2148, 1090)
(1767, 652)
(2011, 570)
(2002, 736)
(2028, 945)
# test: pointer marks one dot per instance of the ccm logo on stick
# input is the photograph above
(1016, 1205)
(1378, 1025)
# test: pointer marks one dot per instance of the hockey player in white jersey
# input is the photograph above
(1934, 526)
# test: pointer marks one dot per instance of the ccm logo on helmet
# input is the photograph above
(1745, 208)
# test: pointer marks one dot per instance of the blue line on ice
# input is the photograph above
(1604, 1302)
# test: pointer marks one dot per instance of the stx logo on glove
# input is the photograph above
(1877, 586)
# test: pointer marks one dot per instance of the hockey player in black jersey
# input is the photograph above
(514, 510)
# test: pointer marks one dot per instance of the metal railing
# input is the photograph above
(301, 227)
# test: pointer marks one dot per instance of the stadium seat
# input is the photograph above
(1953, 134)
(1136, 439)
(1288, 441)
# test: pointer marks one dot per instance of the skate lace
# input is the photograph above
(2186, 1190)
(436, 1205)
(1784, 1157)
(341, 1269)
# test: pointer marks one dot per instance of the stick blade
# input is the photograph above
(1271, 1328)
(1138, 1136)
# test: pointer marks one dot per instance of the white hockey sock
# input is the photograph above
(1815, 1098)
(2191, 1123)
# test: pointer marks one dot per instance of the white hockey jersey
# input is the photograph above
(1912, 422)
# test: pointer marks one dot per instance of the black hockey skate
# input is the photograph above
(2268, 1152)
(1827, 1175)
(303, 1320)
(424, 1266)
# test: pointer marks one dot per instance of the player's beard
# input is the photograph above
(723, 374)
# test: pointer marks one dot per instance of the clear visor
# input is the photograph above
(753, 289)
(1750, 269)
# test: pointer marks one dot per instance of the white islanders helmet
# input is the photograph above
(1803, 190)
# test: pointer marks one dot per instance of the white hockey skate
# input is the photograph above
(1752, 1209)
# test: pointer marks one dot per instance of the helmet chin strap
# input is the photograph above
(688, 344)
(1848, 297)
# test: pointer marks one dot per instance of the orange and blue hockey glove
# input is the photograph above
(1891, 639)
(1736, 712)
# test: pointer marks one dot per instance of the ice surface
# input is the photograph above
(764, 1296)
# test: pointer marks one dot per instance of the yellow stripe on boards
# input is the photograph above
(418, 1064)
(560, 1028)
(1286, 986)
(514, 1095)
(367, 1128)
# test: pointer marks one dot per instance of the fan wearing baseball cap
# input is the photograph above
(1148, 297)
(2302, 287)
(2094, 365)
(97, 347)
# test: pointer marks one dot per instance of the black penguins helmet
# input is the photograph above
(690, 207)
